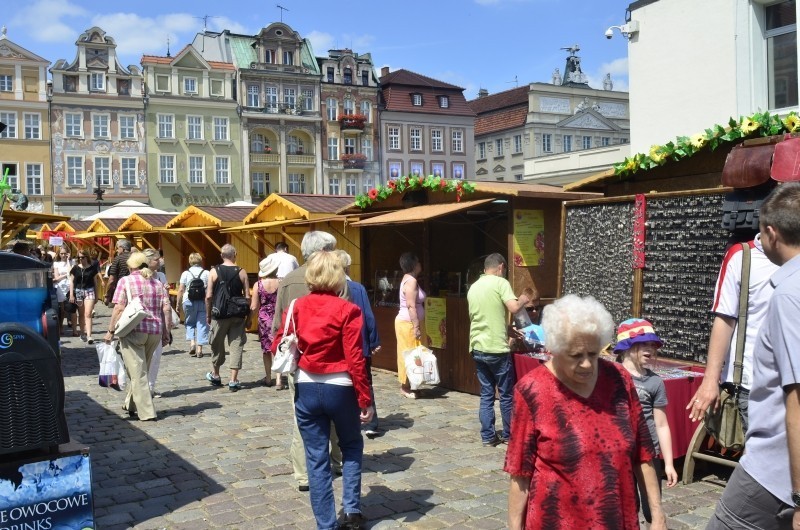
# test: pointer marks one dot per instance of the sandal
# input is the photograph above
(267, 382)
(199, 355)
(192, 352)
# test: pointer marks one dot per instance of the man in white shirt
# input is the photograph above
(286, 262)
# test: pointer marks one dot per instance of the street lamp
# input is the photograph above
(98, 193)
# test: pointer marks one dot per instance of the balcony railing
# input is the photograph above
(280, 108)
(351, 164)
(265, 158)
(304, 160)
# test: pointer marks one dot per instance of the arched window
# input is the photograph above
(294, 145)
(349, 106)
(348, 76)
(257, 143)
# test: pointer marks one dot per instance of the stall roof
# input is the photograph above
(537, 191)
(104, 226)
(258, 226)
(73, 225)
(418, 214)
(14, 221)
(305, 205)
(596, 179)
(147, 222)
(181, 229)
(216, 216)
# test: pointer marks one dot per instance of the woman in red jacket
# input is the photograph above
(331, 386)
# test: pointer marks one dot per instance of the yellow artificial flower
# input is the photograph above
(630, 164)
(748, 125)
(656, 154)
(792, 123)
(698, 140)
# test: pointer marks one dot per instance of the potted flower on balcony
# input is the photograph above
(354, 160)
(352, 121)
(268, 150)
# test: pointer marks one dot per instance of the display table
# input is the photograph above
(679, 392)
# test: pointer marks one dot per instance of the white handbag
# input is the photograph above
(131, 316)
(285, 360)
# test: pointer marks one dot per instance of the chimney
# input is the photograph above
(384, 71)
(482, 93)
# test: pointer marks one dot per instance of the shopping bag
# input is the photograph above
(421, 367)
(285, 359)
(109, 365)
(176, 320)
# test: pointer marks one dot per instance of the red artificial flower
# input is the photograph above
(392, 184)
(373, 194)
(442, 184)
(421, 180)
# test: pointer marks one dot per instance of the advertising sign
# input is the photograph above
(528, 238)
(436, 322)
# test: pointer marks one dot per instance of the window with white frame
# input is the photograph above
(166, 125)
(194, 127)
(333, 148)
(518, 176)
(517, 143)
(197, 169)
(258, 143)
(33, 125)
(271, 98)
(217, 88)
(348, 107)
(366, 109)
(547, 143)
(260, 183)
(458, 141)
(436, 140)
(290, 97)
(458, 170)
(269, 56)
(297, 183)
(416, 100)
(605, 141)
(294, 145)
(437, 169)
(366, 147)
(349, 146)
(415, 139)
(350, 186)
(498, 147)
(221, 129)
(481, 150)
(308, 98)
(566, 140)
(394, 138)
(127, 127)
(367, 183)
(782, 73)
(102, 170)
(587, 142)
(97, 81)
(252, 96)
(10, 119)
(166, 169)
(162, 83)
(444, 102)
(222, 170)
(100, 126)
(127, 167)
(288, 57)
(73, 124)
(6, 83)
(33, 179)
(330, 109)
(75, 171)
(12, 171)
(190, 85)
(333, 185)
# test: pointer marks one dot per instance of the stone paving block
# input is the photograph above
(114, 518)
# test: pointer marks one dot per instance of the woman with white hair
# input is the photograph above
(137, 347)
(578, 435)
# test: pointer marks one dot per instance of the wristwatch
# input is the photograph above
(796, 498)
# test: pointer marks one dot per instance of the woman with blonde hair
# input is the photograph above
(137, 347)
(331, 385)
(194, 305)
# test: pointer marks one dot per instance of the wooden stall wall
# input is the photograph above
(248, 253)
(174, 262)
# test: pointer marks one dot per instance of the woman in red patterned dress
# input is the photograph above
(578, 435)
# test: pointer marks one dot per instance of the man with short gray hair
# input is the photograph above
(294, 286)
(118, 269)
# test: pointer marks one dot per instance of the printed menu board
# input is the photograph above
(528, 238)
(436, 322)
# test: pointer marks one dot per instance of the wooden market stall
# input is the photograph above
(14, 222)
(520, 221)
(145, 230)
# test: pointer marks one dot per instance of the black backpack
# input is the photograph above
(224, 305)
(197, 289)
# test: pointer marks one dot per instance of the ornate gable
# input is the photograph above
(589, 119)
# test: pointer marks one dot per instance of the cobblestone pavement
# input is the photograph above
(217, 459)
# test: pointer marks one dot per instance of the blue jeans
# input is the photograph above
(194, 315)
(494, 371)
(316, 406)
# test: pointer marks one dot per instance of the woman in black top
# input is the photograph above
(83, 286)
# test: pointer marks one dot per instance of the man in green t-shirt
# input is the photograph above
(489, 298)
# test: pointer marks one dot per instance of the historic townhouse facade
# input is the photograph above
(278, 94)
(25, 144)
(194, 142)
(98, 132)
(427, 128)
(350, 127)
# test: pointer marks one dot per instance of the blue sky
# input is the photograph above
(471, 43)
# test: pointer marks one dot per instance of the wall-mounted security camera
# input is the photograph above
(627, 30)
(609, 33)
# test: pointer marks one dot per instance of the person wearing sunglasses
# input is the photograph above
(83, 286)
(61, 269)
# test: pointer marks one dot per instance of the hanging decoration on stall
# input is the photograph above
(528, 238)
(639, 230)
(436, 322)
(759, 124)
(411, 183)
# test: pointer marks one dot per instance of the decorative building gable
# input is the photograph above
(588, 119)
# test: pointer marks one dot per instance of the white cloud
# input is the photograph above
(136, 35)
(618, 68)
(320, 41)
(221, 23)
(43, 20)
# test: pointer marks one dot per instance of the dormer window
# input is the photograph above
(97, 82)
(269, 56)
(348, 76)
(444, 102)
(365, 77)
(416, 100)
(330, 74)
(190, 85)
(288, 57)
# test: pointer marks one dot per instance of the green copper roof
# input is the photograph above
(307, 58)
(243, 53)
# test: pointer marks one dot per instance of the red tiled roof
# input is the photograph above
(507, 98)
(407, 77)
(227, 213)
(157, 59)
(399, 85)
(501, 120)
(319, 203)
